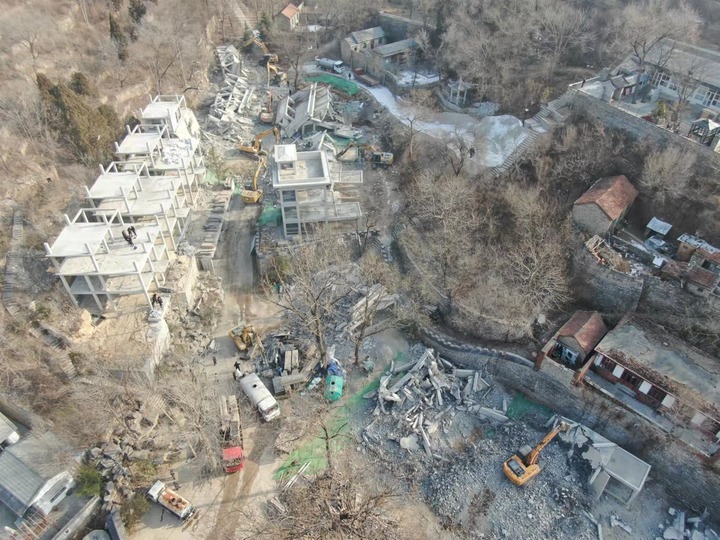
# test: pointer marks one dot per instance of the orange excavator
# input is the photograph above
(253, 194)
(255, 147)
(523, 466)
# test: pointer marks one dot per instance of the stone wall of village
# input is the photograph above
(608, 115)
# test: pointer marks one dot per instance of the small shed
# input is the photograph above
(602, 207)
(620, 474)
(657, 227)
(577, 338)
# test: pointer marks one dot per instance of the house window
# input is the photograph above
(292, 228)
(630, 378)
(657, 393)
(288, 196)
(605, 363)
(663, 79)
(712, 98)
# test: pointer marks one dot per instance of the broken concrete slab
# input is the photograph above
(410, 443)
(492, 414)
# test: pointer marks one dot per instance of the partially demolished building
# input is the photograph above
(313, 188)
(122, 242)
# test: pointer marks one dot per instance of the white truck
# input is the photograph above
(170, 500)
(336, 66)
(260, 396)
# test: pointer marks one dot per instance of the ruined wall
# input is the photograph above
(685, 474)
(605, 289)
(606, 114)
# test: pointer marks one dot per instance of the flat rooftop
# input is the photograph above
(653, 347)
(139, 143)
(310, 168)
(161, 109)
(148, 203)
(397, 47)
(73, 239)
(121, 259)
(113, 184)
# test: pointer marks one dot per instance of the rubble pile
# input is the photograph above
(680, 526)
(194, 328)
(129, 443)
(426, 398)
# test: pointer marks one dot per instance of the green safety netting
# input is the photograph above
(270, 216)
(346, 86)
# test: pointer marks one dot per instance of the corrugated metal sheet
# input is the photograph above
(6, 427)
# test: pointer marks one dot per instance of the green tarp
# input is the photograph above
(345, 85)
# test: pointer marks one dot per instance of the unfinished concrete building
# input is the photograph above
(173, 113)
(129, 190)
(95, 261)
(313, 188)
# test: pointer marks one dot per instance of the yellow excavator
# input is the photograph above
(523, 466)
(268, 57)
(275, 76)
(253, 194)
(255, 147)
(377, 158)
(246, 339)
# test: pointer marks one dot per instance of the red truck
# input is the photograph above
(364, 78)
(233, 457)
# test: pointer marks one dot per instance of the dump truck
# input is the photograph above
(171, 501)
(336, 66)
(523, 466)
(231, 437)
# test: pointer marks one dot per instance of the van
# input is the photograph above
(260, 396)
(335, 66)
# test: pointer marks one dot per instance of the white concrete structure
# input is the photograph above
(313, 188)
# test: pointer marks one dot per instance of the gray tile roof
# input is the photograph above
(361, 36)
(25, 467)
(396, 47)
(6, 427)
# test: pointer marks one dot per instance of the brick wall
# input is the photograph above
(685, 474)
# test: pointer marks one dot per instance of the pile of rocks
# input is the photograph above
(129, 443)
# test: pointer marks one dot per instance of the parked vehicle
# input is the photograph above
(336, 66)
(260, 396)
(231, 438)
(170, 500)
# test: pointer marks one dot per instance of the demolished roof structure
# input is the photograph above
(311, 107)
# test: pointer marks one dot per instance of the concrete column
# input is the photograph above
(539, 360)
(67, 288)
(580, 373)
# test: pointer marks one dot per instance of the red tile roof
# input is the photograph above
(290, 11)
(703, 277)
(613, 195)
(713, 256)
(586, 327)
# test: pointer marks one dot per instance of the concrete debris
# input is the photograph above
(616, 522)
(410, 442)
(683, 527)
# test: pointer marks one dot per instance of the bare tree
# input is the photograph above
(309, 282)
(156, 53)
(685, 82)
(561, 28)
(381, 307)
(28, 29)
(667, 171)
(649, 27)
(442, 243)
(292, 47)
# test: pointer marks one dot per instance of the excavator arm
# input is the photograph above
(535, 454)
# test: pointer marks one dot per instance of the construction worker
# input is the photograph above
(132, 232)
(126, 236)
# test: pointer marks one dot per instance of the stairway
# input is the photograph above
(14, 278)
(547, 119)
